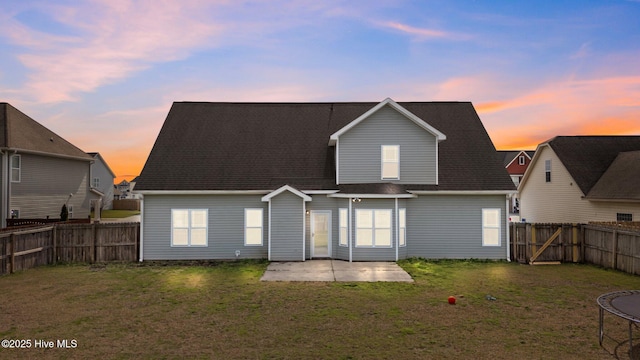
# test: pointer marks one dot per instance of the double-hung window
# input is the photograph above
(189, 227)
(16, 165)
(344, 225)
(390, 162)
(373, 228)
(95, 182)
(490, 227)
(253, 226)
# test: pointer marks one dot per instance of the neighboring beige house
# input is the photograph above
(577, 179)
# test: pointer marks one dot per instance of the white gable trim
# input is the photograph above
(283, 189)
(439, 136)
(532, 163)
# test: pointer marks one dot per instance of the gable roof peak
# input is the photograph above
(388, 101)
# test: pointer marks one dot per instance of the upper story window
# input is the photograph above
(521, 160)
(95, 182)
(16, 165)
(547, 170)
(390, 162)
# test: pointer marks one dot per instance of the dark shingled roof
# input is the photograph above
(586, 158)
(262, 146)
(621, 180)
(20, 132)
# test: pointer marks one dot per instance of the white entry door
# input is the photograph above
(320, 234)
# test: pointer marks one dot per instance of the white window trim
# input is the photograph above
(374, 228)
(343, 240)
(382, 162)
(498, 227)
(261, 227)
(19, 168)
(189, 228)
(548, 161)
(521, 160)
(402, 217)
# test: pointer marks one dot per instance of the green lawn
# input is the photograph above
(223, 311)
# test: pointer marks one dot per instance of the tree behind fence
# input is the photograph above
(71, 243)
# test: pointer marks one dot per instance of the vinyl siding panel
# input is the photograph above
(99, 170)
(287, 221)
(225, 227)
(45, 185)
(450, 227)
(560, 201)
(359, 150)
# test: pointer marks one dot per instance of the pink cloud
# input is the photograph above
(118, 38)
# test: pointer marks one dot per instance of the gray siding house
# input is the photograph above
(295, 181)
(102, 178)
(40, 171)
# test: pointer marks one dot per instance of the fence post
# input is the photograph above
(12, 243)
(534, 248)
(574, 241)
(614, 250)
(93, 243)
(54, 232)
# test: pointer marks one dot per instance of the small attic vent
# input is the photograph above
(51, 139)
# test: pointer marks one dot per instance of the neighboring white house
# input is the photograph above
(577, 179)
(102, 178)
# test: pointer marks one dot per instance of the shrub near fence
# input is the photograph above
(74, 243)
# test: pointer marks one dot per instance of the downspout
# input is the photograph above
(269, 233)
(4, 206)
(397, 230)
(304, 228)
(506, 230)
(349, 237)
(141, 227)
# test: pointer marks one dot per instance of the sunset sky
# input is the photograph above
(103, 73)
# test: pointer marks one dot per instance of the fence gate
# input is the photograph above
(545, 243)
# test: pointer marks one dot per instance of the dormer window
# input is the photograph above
(390, 162)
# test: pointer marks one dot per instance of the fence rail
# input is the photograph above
(26, 248)
(609, 245)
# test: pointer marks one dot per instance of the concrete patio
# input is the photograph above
(335, 270)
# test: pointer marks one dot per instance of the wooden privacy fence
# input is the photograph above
(611, 245)
(23, 249)
(126, 204)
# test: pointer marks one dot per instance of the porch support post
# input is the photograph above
(304, 228)
(269, 233)
(506, 228)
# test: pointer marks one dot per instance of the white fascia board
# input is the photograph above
(372, 196)
(96, 191)
(203, 192)
(462, 192)
(88, 158)
(388, 101)
(283, 189)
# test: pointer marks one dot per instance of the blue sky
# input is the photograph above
(103, 73)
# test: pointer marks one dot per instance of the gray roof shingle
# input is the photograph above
(587, 158)
(621, 180)
(20, 132)
(262, 146)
